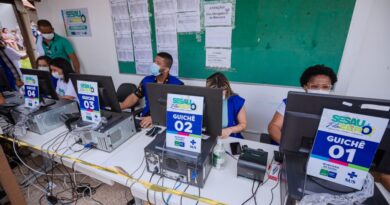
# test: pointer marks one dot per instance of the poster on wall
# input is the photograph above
(76, 22)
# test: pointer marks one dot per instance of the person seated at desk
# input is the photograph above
(233, 109)
(60, 69)
(43, 63)
(315, 79)
(160, 74)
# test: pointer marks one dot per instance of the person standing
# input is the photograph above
(56, 46)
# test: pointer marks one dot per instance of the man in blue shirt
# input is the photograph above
(160, 74)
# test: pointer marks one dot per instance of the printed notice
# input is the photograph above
(188, 22)
(187, 5)
(220, 37)
(218, 14)
(218, 58)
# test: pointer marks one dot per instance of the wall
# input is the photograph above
(364, 70)
(7, 17)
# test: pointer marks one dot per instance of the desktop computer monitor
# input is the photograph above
(212, 115)
(107, 96)
(46, 88)
(301, 121)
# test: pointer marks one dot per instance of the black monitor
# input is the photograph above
(212, 115)
(46, 88)
(107, 96)
(4, 84)
(301, 121)
(303, 114)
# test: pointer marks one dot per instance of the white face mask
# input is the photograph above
(318, 91)
(48, 36)
(56, 75)
(44, 68)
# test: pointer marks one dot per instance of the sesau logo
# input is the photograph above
(87, 88)
(183, 104)
(328, 173)
(30, 80)
(350, 124)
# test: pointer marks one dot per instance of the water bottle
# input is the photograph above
(218, 155)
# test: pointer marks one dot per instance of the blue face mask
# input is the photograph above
(155, 69)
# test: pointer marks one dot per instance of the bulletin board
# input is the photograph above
(273, 41)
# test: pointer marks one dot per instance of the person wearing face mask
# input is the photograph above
(233, 109)
(60, 69)
(42, 63)
(160, 74)
(315, 79)
(56, 46)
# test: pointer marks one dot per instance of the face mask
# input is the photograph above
(324, 92)
(155, 69)
(44, 68)
(56, 75)
(48, 36)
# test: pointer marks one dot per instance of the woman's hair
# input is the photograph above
(45, 58)
(317, 70)
(219, 80)
(3, 29)
(64, 65)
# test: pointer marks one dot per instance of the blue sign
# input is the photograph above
(89, 101)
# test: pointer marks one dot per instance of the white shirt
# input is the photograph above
(65, 89)
(281, 108)
(14, 56)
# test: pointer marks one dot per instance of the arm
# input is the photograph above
(385, 180)
(275, 127)
(75, 62)
(242, 123)
(2, 100)
(67, 97)
(130, 100)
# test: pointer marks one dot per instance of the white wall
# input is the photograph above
(7, 17)
(364, 70)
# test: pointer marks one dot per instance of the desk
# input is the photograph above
(222, 185)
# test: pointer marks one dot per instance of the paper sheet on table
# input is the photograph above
(166, 22)
(142, 41)
(142, 68)
(143, 55)
(218, 58)
(188, 22)
(188, 5)
(164, 7)
(125, 55)
(220, 37)
(140, 25)
(138, 8)
(219, 14)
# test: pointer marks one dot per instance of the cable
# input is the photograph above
(181, 197)
(147, 191)
(272, 189)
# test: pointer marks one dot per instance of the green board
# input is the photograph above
(274, 41)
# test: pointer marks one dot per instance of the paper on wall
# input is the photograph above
(166, 40)
(166, 22)
(138, 8)
(164, 7)
(188, 5)
(142, 40)
(142, 68)
(140, 25)
(188, 22)
(124, 41)
(218, 58)
(219, 14)
(125, 55)
(144, 55)
(219, 37)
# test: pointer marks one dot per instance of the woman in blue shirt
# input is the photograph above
(233, 110)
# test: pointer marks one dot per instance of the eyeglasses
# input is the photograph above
(319, 86)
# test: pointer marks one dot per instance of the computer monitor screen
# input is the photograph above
(46, 88)
(303, 114)
(4, 84)
(107, 96)
(212, 115)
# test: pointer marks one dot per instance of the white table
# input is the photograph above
(222, 185)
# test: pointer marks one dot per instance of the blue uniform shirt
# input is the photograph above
(142, 92)
(235, 104)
